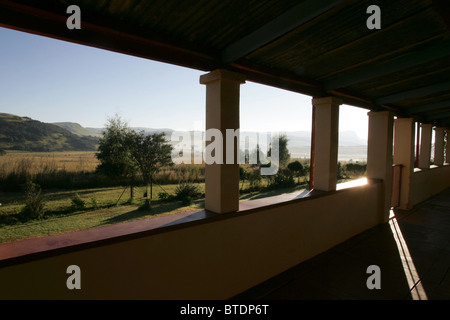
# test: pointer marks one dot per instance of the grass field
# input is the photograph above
(74, 170)
(57, 220)
(64, 175)
(56, 224)
(102, 206)
(36, 162)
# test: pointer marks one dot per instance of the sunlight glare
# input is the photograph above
(414, 282)
(351, 184)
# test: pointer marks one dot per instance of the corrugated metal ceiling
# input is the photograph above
(315, 47)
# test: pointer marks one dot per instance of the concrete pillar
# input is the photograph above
(425, 146)
(326, 122)
(379, 155)
(439, 146)
(404, 156)
(222, 113)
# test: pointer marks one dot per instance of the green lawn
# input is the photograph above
(59, 219)
(83, 220)
(100, 209)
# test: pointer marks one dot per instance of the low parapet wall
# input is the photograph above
(214, 258)
(427, 183)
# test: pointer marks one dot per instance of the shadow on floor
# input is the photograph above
(412, 252)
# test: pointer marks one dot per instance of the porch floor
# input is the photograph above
(412, 252)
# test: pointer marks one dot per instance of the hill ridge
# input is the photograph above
(26, 134)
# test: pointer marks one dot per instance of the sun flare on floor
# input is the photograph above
(414, 282)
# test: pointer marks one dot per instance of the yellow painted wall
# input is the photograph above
(427, 183)
(214, 260)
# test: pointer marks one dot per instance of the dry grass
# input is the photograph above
(74, 170)
(38, 162)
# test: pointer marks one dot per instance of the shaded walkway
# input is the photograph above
(412, 252)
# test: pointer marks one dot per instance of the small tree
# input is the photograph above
(150, 153)
(77, 204)
(243, 175)
(114, 152)
(283, 151)
(297, 168)
(254, 179)
(34, 202)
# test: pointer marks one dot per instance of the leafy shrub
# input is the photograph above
(282, 180)
(355, 169)
(296, 167)
(163, 195)
(187, 192)
(77, 203)
(187, 200)
(243, 175)
(255, 179)
(34, 202)
(94, 202)
(340, 171)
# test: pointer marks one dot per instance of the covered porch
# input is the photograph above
(323, 49)
(412, 251)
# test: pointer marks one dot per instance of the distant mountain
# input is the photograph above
(23, 133)
(350, 139)
(77, 129)
(303, 138)
(168, 132)
(97, 132)
(295, 138)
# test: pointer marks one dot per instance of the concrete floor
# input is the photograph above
(412, 252)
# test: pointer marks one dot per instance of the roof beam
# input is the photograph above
(429, 107)
(277, 78)
(377, 70)
(283, 24)
(437, 116)
(443, 8)
(104, 34)
(414, 93)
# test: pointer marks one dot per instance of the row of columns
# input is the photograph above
(425, 146)
(404, 152)
(222, 113)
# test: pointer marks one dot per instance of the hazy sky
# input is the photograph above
(56, 81)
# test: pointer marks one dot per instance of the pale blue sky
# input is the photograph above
(55, 81)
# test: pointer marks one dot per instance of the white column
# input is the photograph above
(425, 146)
(379, 154)
(404, 156)
(439, 146)
(222, 113)
(326, 124)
